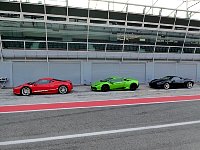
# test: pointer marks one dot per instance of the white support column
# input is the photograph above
(154, 48)
(46, 30)
(185, 38)
(88, 28)
(125, 32)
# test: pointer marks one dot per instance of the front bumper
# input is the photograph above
(93, 88)
(16, 91)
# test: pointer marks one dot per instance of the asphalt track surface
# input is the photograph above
(48, 124)
(164, 126)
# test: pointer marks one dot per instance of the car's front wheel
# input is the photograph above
(189, 85)
(63, 89)
(166, 86)
(105, 88)
(25, 91)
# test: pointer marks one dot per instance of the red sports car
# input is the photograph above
(44, 85)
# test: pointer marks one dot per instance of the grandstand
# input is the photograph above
(98, 39)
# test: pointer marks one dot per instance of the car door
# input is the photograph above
(117, 83)
(53, 86)
(41, 86)
(177, 82)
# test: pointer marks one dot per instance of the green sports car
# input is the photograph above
(115, 83)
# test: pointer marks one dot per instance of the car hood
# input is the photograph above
(98, 83)
(25, 84)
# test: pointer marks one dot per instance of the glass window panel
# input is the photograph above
(106, 35)
(22, 30)
(67, 33)
(78, 12)
(5, 6)
(9, 15)
(131, 48)
(188, 50)
(175, 50)
(12, 44)
(35, 45)
(56, 10)
(144, 37)
(146, 49)
(57, 46)
(160, 49)
(26, 7)
(114, 48)
(76, 46)
(96, 47)
(192, 40)
(197, 51)
(98, 14)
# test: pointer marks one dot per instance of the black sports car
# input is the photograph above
(171, 82)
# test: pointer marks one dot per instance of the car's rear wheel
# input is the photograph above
(189, 85)
(133, 87)
(105, 88)
(166, 86)
(25, 91)
(63, 89)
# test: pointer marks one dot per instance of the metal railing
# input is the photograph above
(93, 46)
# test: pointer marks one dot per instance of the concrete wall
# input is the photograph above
(85, 72)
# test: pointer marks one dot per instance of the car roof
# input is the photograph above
(46, 78)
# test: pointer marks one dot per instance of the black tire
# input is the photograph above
(133, 87)
(166, 86)
(189, 85)
(105, 88)
(63, 89)
(25, 91)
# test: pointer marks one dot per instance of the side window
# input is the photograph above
(42, 81)
(176, 79)
(116, 80)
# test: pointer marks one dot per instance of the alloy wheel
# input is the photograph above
(166, 86)
(26, 91)
(62, 89)
(189, 85)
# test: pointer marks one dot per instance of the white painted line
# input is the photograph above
(97, 133)
(57, 109)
